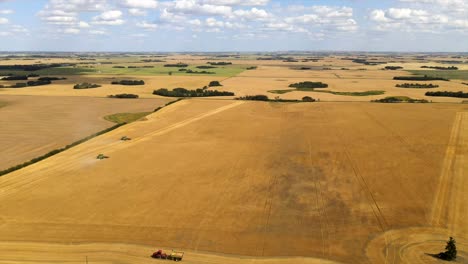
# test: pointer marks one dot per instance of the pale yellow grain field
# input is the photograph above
(31, 126)
(251, 182)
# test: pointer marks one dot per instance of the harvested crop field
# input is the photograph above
(328, 181)
(34, 125)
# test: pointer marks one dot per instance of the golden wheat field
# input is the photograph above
(345, 182)
(342, 180)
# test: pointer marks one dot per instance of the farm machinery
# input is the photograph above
(174, 255)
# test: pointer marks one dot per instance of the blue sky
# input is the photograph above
(234, 25)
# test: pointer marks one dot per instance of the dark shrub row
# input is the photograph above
(178, 65)
(86, 86)
(393, 68)
(124, 96)
(128, 82)
(440, 67)
(15, 78)
(399, 99)
(206, 67)
(221, 63)
(459, 94)
(417, 85)
(419, 78)
(182, 92)
(309, 85)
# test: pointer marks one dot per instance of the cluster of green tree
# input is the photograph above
(440, 67)
(290, 60)
(182, 92)
(32, 75)
(309, 85)
(56, 151)
(199, 72)
(393, 68)
(31, 83)
(282, 58)
(34, 67)
(206, 67)
(365, 62)
(15, 78)
(252, 68)
(221, 63)
(417, 85)
(177, 65)
(86, 86)
(214, 83)
(51, 78)
(419, 78)
(399, 99)
(128, 82)
(118, 67)
(261, 97)
(258, 97)
(124, 96)
(459, 94)
(150, 60)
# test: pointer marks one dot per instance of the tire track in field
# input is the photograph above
(377, 212)
(71, 157)
(324, 224)
(451, 174)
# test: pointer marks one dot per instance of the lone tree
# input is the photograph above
(450, 251)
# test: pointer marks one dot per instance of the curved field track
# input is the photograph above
(334, 181)
(100, 253)
(31, 126)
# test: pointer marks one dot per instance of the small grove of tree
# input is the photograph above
(177, 65)
(119, 67)
(214, 83)
(206, 67)
(393, 68)
(440, 67)
(258, 97)
(124, 96)
(252, 68)
(86, 86)
(182, 92)
(417, 85)
(309, 85)
(128, 82)
(221, 63)
(450, 251)
(34, 67)
(15, 78)
(399, 99)
(308, 99)
(458, 94)
(51, 79)
(419, 78)
(199, 72)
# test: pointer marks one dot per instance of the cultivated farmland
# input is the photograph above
(254, 179)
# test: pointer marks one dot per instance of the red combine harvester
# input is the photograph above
(175, 255)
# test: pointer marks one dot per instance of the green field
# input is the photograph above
(226, 71)
(447, 74)
(121, 118)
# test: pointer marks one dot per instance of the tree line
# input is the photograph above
(182, 92)
(458, 94)
(417, 85)
(128, 82)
